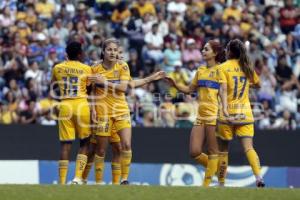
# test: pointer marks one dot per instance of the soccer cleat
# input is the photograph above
(84, 182)
(260, 184)
(77, 181)
(124, 182)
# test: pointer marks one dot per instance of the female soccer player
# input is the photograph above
(206, 81)
(74, 113)
(112, 79)
(237, 75)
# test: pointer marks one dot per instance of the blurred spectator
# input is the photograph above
(288, 16)
(171, 55)
(213, 26)
(163, 26)
(7, 116)
(148, 119)
(178, 7)
(135, 65)
(7, 18)
(59, 31)
(233, 11)
(66, 5)
(147, 21)
(144, 6)
(268, 84)
(190, 70)
(284, 74)
(179, 76)
(286, 122)
(29, 116)
(154, 46)
(45, 9)
(120, 17)
(191, 53)
(167, 115)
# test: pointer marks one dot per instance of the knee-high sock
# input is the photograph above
(81, 161)
(211, 169)
(63, 171)
(253, 161)
(202, 159)
(99, 168)
(87, 170)
(125, 163)
(222, 167)
(116, 173)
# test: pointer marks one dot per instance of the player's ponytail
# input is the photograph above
(106, 43)
(218, 50)
(237, 50)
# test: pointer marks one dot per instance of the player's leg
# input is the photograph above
(212, 147)
(66, 136)
(224, 134)
(116, 162)
(115, 142)
(122, 126)
(197, 138)
(126, 154)
(103, 133)
(245, 134)
(223, 160)
(102, 142)
(82, 122)
(90, 161)
(81, 160)
(63, 162)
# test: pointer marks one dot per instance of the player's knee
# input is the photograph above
(101, 152)
(211, 151)
(195, 153)
(116, 149)
(126, 146)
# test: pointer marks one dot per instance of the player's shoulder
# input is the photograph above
(201, 68)
(122, 65)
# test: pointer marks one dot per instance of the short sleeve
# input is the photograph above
(88, 73)
(221, 75)
(255, 80)
(195, 80)
(125, 73)
(53, 73)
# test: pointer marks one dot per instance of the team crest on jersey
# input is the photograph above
(211, 74)
(116, 74)
(125, 67)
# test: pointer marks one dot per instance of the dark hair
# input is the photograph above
(237, 50)
(218, 50)
(106, 43)
(155, 25)
(73, 50)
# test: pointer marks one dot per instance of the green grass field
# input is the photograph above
(45, 192)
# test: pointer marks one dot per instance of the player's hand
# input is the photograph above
(158, 75)
(92, 78)
(170, 81)
(94, 116)
(100, 79)
(227, 116)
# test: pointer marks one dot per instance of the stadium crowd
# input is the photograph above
(155, 34)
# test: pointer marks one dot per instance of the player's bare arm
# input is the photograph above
(182, 88)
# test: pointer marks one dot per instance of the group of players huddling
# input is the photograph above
(93, 106)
